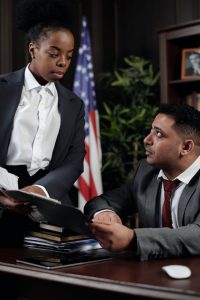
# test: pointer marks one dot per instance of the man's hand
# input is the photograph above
(107, 217)
(114, 237)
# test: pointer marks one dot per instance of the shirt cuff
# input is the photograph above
(44, 190)
(100, 211)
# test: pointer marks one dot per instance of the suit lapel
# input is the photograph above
(66, 113)
(10, 91)
(151, 205)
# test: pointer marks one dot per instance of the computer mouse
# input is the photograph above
(177, 271)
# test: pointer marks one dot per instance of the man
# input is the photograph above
(194, 60)
(173, 152)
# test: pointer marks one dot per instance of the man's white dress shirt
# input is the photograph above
(184, 179)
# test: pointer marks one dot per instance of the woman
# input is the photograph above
(42, 138)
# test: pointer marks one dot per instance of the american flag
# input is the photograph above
(90, 181)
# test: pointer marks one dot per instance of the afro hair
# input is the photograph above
(46, 13)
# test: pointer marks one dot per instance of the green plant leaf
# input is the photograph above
(126, 117)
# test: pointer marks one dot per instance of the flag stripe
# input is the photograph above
(87, 155)
(93, 122)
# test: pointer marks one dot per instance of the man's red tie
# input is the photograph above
(169, 186)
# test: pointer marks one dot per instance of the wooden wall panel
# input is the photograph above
(118, 28)
(6, 35)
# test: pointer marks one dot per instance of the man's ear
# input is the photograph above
(188, 145)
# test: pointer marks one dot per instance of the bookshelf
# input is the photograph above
(172, 41)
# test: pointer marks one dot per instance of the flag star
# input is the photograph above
(86, 101)
(86, 126)
(76, 83)
(88, 57)
(89, 66)
(83, 70)
(83, 94)
(91, 75)
(79, 68)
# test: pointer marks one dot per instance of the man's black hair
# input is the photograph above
(37, 17)
(187, 118)
(195, 52)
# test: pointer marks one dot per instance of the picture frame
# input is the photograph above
(190, 63)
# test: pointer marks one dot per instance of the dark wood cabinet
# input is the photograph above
(172, 41)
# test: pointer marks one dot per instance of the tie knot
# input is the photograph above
(170, 185)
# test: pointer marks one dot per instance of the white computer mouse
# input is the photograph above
(177, 271)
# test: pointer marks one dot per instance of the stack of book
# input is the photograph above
(70, 232)
(59, 239)
(56, 233)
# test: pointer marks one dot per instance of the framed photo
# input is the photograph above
(190, 64)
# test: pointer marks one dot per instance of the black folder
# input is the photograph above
(54, 211)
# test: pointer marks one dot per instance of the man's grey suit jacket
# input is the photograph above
(67, 160)
(142, 195)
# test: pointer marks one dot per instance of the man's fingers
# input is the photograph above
(107, 218)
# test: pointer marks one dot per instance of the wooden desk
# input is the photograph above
(117, 279)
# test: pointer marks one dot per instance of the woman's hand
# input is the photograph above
(20, 206)
(15, 205)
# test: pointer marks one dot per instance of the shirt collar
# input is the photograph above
(31, 83)
(187, 175)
